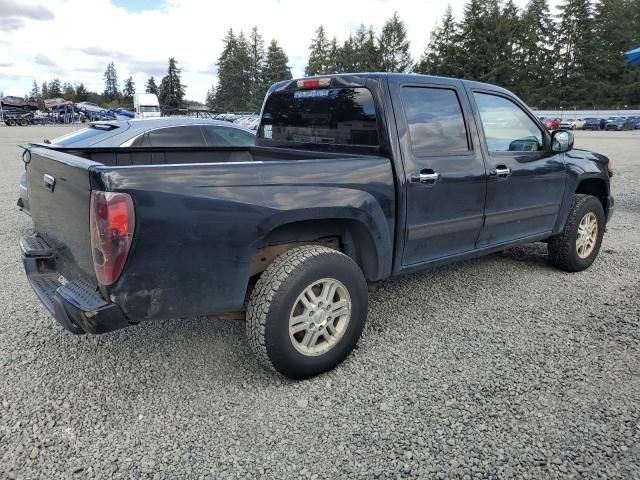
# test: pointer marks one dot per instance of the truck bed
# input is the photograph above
(202, 215)
(184, 155)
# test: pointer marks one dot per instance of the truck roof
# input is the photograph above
(360, 79)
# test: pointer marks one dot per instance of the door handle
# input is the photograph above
(500, 171)
(426, 177)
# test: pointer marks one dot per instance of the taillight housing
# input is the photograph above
(112, 220)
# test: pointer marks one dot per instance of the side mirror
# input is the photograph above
(561, 141)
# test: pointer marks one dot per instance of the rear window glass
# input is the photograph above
(331, 117)
(82, 135)
(228, 136)
(185, 136)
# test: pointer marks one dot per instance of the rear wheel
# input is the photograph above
(577, 246)
(11, 122)
(307, 311)
(23, 122)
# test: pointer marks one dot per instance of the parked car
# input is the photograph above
(632, 123)
(615, 123)
(552, 123)
(351, 181)
(568, 123)
(155, 132)
(593, 124)
(88, 107)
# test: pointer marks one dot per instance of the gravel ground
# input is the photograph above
(495, 368)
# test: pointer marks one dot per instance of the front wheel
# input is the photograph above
(577, 246)
(307, 311)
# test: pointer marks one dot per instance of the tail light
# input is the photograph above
(112, 220)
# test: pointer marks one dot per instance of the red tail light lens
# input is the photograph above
(112, 220)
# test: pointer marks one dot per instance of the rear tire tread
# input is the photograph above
(267, 287)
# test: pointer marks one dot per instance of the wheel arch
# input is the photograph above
(595, 187)
(368, 248)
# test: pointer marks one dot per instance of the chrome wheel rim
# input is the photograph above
(319, 317)
(587, 235)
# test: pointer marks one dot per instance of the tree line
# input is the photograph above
(246, 69)
(570, 59)
(573, 58)
(170, 92)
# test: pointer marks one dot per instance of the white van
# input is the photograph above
(146, 105)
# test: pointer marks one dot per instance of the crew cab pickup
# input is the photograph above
(353, 179)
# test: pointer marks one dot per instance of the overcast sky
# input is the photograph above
(75, 39)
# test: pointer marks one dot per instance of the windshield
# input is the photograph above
(330, 117)
(149, 108)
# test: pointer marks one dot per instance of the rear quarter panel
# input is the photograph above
(199, 226)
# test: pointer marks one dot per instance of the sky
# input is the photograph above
(75, 39)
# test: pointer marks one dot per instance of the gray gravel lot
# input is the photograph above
(499, 367)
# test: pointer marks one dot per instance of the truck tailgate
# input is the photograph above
(59, 195)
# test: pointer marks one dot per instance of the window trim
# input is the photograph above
(438, 153)
(491, 153)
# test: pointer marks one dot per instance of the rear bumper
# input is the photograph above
(76, 304)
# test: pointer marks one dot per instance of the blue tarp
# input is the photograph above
(633, 56)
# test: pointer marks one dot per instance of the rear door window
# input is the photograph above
(183, 136)
(435, 120)
(330, 117)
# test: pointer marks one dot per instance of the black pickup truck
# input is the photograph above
(353, 178)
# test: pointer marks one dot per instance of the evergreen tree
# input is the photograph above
(234, 74)
(68, 92)
(35, 91)
(365, 50)
(394, 46)
(574, 42)
(320, 62)
(55, 88)
(45, 91)
(475, 40)
(442, 55)
(210, 101)
(82, 94)
(257, 55)
(128, 91)
(171, 88)
(537, 56)
(111, 91)
(613, 27)
(151, 86)
(275, 66)
(345, 59)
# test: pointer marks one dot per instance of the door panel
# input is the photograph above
(525, 181)
(445, 172)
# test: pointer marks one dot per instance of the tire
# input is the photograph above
(276, 299)
(23, 122)
(563, 248)
(11, 122)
